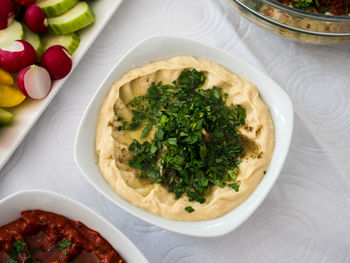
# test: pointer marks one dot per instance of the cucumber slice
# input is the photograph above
(33, 39)
(69, 41)
(74, 19)
(6, 118)
(11, 33)
(55, 7)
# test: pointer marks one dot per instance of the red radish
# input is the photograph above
(25, 2)
(17, 56)
(57, 61)
(7, 13)
(36, 19)
(34, 82)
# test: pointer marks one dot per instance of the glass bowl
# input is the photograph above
(295, 24)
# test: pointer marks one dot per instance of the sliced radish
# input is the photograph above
(7, 13)
(36, 20)
(34, 81)
(57, 61)
(17, 56)
(25, 2)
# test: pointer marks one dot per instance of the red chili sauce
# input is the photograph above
(50, 238)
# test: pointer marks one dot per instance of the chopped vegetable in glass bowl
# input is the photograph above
(312, 21)
(327, 7)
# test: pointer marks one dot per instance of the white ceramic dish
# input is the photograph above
(27, 113)
(11, 206)
(159, 48)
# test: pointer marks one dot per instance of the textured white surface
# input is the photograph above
(306, 217)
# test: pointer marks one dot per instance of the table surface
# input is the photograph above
(305, 218)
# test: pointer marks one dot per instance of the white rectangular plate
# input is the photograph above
(27, 113)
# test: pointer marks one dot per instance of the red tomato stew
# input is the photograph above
(329, 7)
(44, 237)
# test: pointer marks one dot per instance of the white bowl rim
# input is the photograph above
(67, 199)
(207, 228)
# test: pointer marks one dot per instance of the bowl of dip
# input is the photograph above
(55, 227)
(101, 156)
(309, 25)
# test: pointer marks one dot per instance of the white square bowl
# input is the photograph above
(11, 207)
(164, 47)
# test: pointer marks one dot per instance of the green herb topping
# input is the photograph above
(195, 142)
(302, 4)
(189, 209)
(64, 244)
(19, 248)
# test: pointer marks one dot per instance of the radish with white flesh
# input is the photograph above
(33, 39)
(74, 19)
(69, 41)
(17, 56)
(25, 2)
(7, 13)
(36, 20)
(57, 61)
(55, 7)
(34, 81)
(10, 34)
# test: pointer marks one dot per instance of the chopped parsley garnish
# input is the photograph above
(302, 4)
(195, 142)
(18, 248)
(64, 244)
(189, 209)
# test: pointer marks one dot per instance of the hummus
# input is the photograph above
(112, 145)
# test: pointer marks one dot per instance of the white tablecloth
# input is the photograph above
(305, 218)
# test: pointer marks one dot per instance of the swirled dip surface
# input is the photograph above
(112, 145)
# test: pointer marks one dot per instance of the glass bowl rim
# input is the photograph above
(299, 12)
(320, 17)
